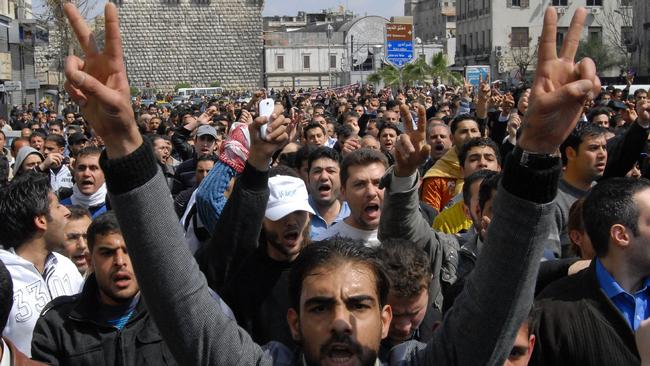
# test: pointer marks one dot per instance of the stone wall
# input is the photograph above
(195, 41)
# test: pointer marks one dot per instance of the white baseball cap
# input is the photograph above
(288, 194)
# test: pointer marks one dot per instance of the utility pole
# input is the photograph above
(329, 55)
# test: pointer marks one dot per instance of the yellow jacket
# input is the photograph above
(453, 219)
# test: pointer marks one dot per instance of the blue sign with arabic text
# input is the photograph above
(474, 74)
(399, 53)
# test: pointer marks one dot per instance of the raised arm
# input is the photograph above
(481, 327)
(236, 231)
(400, 216)
(189, 318)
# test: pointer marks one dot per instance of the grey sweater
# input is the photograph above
(479, 331)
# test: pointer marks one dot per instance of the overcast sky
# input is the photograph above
(386, 8)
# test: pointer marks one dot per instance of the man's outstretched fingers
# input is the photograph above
(548, 41)
(572, 40)
(81, 30)
(113, 46)
(422, 119)
(407, 120)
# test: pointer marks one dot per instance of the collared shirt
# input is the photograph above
(6, 354)
(318, 223)
(634, 308)
(330, 142)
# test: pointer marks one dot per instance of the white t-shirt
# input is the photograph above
(33, 290)
(343, 230)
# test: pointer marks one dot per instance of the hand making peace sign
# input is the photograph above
(411, 148)
(560, 89)
(98, 83)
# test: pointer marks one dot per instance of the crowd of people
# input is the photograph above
(418, 226)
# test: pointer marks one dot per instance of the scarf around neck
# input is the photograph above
(96, 199)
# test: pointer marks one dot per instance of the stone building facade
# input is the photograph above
(199, 42)
(640, 44)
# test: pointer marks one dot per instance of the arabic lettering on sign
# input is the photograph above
(396, 32)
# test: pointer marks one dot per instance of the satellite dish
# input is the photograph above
(367, 32)
(360, 55)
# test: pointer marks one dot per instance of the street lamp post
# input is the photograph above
(418, 40)
(329, 67)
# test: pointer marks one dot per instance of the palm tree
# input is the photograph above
(389, 74)
(418, 71)
(441, 72)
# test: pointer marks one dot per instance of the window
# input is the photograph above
(594, 2)
(559, 2)
(332, 61)
(627, 35)
(519, 37)
(515, 2)
(626, 2)
(279, 62)
(306, 61)
(489, 38)
(595, 34)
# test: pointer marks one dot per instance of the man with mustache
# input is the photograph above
(75, 245)
(257, 236)
(107, 323)
(337, 290)
(89, 190)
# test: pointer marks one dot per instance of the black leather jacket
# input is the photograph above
(68, 333)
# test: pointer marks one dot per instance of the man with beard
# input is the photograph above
(162, 150)
(409, 275)
(105, 324)
(32, 229)
(205, 144)
(337, 290)
(256, 238)
(89, 190)
(77, 142)
(75, 245)
(324, 187)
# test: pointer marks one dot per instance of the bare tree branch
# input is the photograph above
(523, 57)
(612, 20)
